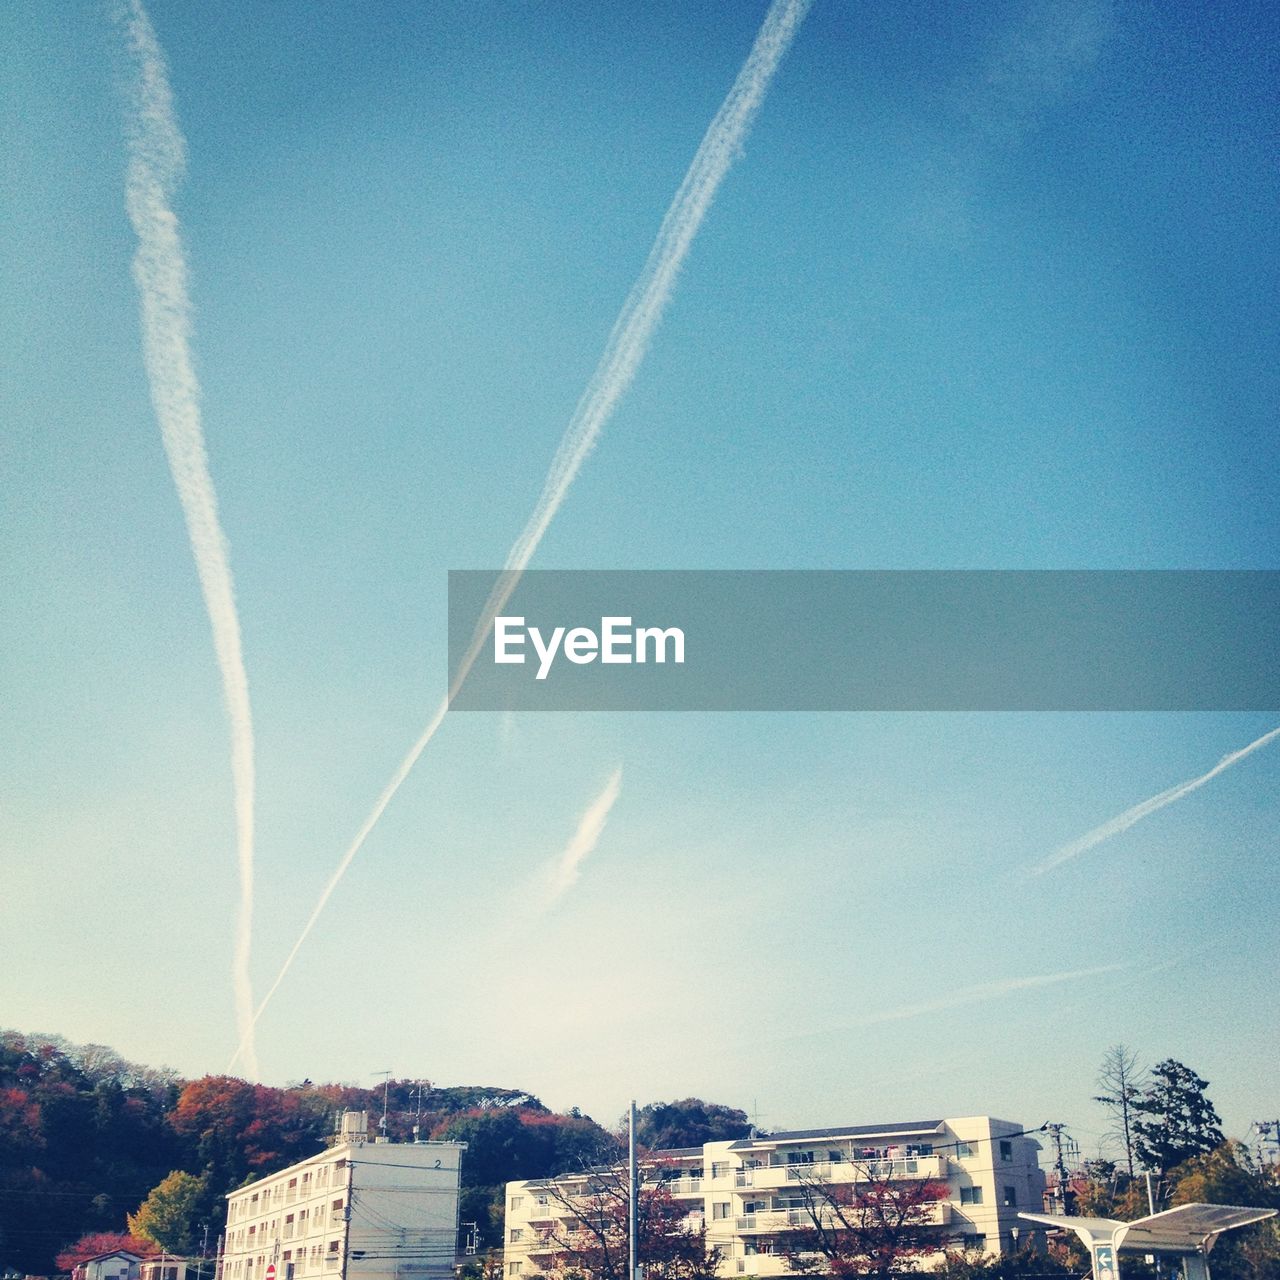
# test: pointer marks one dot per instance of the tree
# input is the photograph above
(1173, 1118)
(505, 1144)
(169, 1214)
(590, 1235)
(233, 1128)
(1025, 1264)
(1121, 1082)
(872, 1224)
(1102, 1190)
(688, 1122)
(99, 1242)
(1228, 1175)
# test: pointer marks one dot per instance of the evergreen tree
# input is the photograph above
(1173, 1119)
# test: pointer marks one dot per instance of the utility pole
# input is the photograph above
(1065, 1199)
(633, 1194)
(1267, 1129)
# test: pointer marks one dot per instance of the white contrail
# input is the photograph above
(157, 158)
(977, 994)
(1123, 821)
(563, 873)
(625, 349)
(982, 991)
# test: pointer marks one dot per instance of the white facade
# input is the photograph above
(168, 1267)
(119, 1264)
(358, 1211)
(746, 1193)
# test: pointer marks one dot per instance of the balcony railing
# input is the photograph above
(770, 1220)
(683, 1186)
(779, 1171)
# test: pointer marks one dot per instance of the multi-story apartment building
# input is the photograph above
(751, 1194)
(360, 1210)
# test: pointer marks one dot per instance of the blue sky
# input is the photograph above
(991, 286)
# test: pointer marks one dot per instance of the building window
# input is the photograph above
(514, 1268)
(720, 1210)
(1006, 1150)
(516, 1234)
(965, 1150)
(1010, 1198)
(517, 1201)
(970, 1195)
(975, 1242)
(719, 1168)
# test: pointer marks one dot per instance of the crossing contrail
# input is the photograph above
(157, 159)
(625, 349)
(563, 874)
(1123, 821)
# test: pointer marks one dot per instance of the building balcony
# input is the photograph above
(683, 1186)
(780, 1172)
(762, 1264)
(774, 1220)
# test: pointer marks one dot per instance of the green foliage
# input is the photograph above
(82, 1138)
(688, 1122)
(505, 1144)
(1173, 1118)
(168, 1216)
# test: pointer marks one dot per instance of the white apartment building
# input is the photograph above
(360, 1210)
(747, 1193)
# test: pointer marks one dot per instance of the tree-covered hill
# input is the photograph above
(86, 1138)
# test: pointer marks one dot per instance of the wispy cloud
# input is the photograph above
(1031, 64)
(624, 351)
(562, 875)
(157, 160)
(1122, 822)
(979, 994)
(1044, 55)
(958, 998)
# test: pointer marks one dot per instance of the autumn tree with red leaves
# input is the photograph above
(96, 1243)
(590, 1235)
(872, 1224)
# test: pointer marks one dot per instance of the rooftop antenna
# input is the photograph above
(386, 1085)
(417, 1115)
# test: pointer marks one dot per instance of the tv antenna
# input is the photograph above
(386, 1085)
